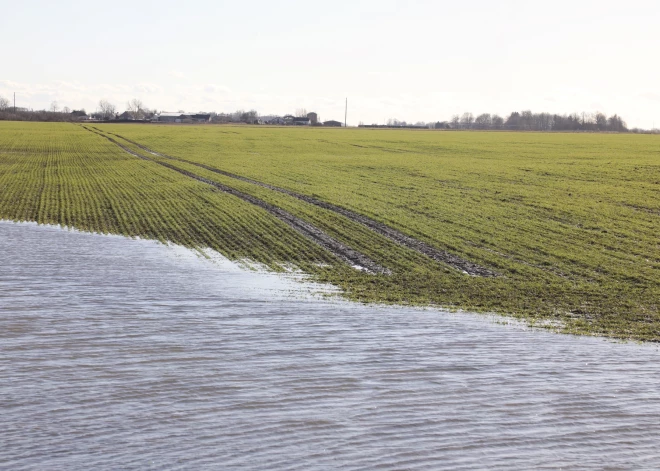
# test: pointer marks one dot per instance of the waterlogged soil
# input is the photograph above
(400, 238)
(338, 249)
(128, 354)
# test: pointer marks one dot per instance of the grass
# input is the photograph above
(569, 221)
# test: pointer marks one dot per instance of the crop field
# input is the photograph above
(558, 229)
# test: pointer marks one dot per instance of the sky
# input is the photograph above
(411, 60)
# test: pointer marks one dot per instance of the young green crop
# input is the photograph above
(569, 221)
(62, 174)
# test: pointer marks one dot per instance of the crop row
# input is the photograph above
(341, 251)
(570, 221)
(60, 174)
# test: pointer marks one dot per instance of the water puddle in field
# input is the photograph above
(127, 354)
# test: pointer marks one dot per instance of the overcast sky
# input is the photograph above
(412, 60)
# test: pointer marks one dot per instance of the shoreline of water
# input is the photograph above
(304, 286)
(320, 291)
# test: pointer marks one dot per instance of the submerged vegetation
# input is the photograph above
(562, 228)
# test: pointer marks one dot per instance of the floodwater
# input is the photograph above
(127, 354)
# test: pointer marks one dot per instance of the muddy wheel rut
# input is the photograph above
(395, 235)
(338, 249)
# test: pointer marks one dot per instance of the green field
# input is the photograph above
(568, 222)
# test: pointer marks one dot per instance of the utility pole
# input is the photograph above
(346, 112)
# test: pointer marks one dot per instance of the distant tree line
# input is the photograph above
(239, 116)
(524, 121)
(11, 113)
(8, 112)
(529, 121)
(107, 111)
(135, 110)
(516, 121)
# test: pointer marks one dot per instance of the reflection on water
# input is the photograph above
(125, 354)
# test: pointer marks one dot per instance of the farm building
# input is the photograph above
(331, 123)
(313, 118)
(301, 121)
(200, 117)
(125, 116)
(291, 120)
(184, 118)
(165, 117)
(273, 120)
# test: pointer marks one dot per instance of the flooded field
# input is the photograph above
(126, 354)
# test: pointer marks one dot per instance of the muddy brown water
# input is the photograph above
(126, 354)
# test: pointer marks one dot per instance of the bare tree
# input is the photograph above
(107, 110)
(497, 121)
(483, 121)
(54, 107)
(617, 124)
(66, 110)
(543, 121)
(249, 117)
(601, 121)
(301, 113)
(455, 120)
(4, 103)
(237, 115)
(588, 121)
(136, 108)
(396, 122)
(467, 119)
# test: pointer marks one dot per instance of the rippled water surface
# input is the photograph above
(126, 354)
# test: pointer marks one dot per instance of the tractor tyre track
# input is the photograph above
(343, 252)
(395, 235)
